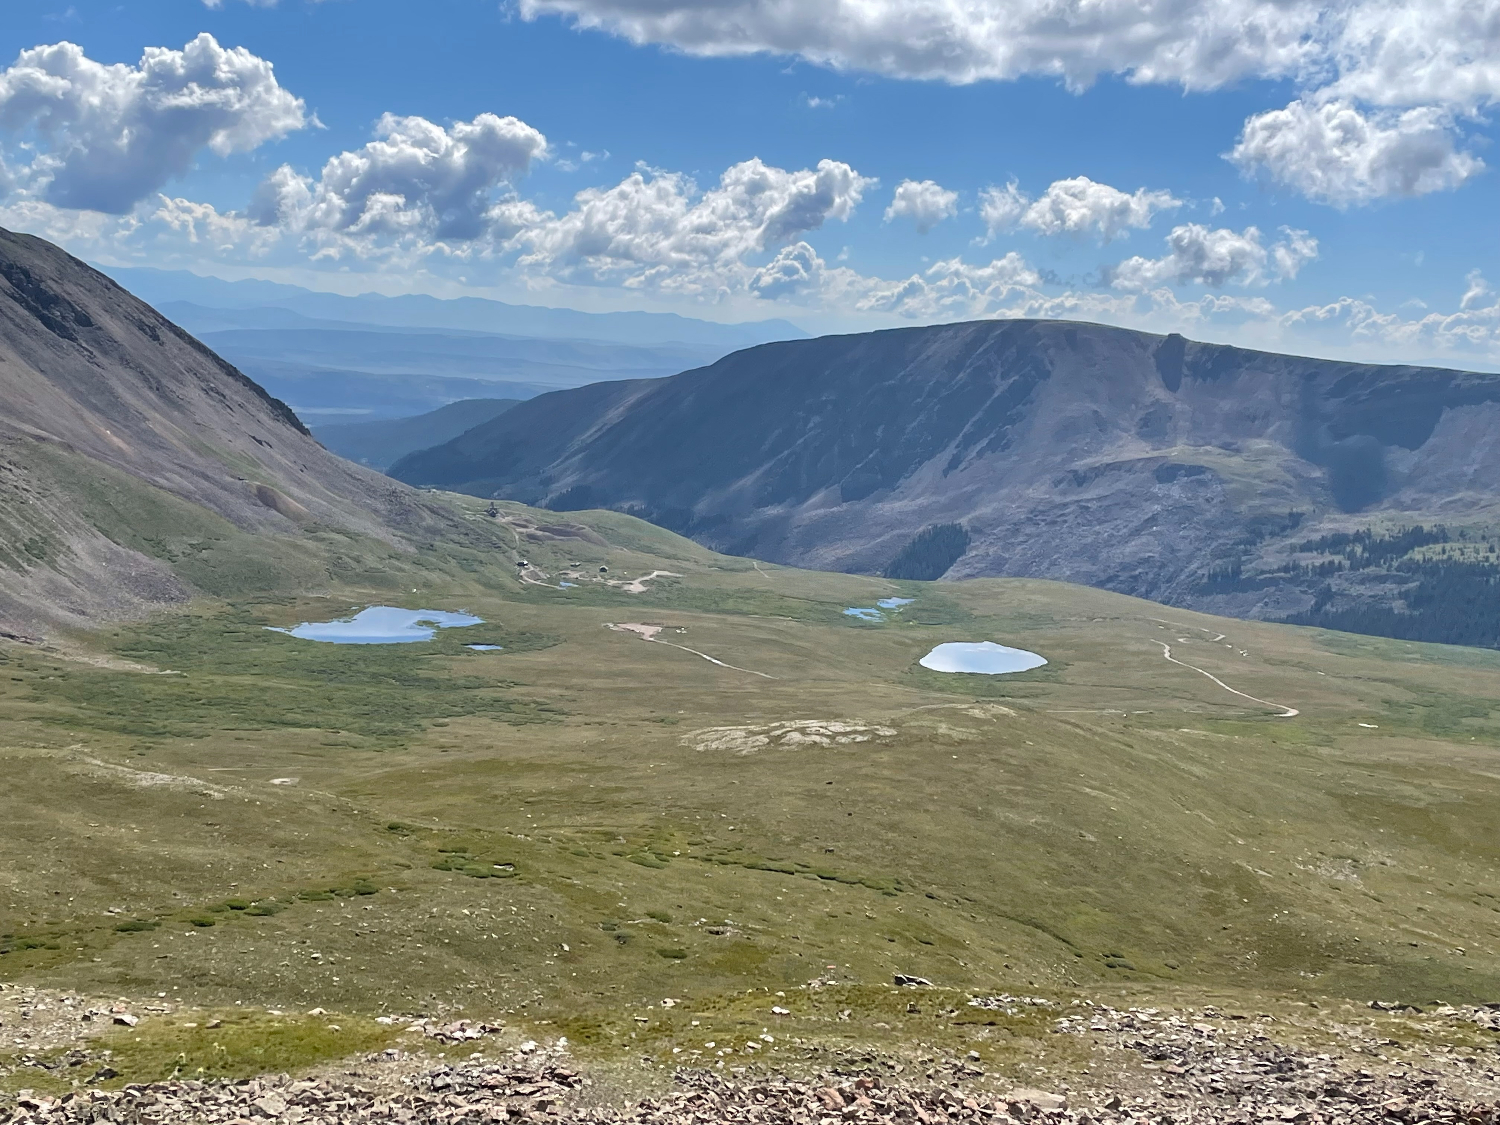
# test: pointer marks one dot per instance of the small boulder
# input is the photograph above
(1038, 1099)
(269, 1105)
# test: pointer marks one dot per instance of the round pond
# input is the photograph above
(982, 657)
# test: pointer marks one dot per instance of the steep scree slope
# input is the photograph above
(132, 457)
(1190, 473)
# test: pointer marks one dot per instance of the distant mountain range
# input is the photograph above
(380, 444)
(1234, 481)
(331, 356)
(475, 314)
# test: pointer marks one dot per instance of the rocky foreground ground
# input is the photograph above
(1191, 1067)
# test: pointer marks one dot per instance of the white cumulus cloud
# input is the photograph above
(656, 230)
(924, 202)
(948, 288)
(416, 178)
(1075, 206)
(1334, 152)
(1197, 254)
(1386, 52)
(1198, 43)
(111, 135)
(1416, 52)
(1441, 57)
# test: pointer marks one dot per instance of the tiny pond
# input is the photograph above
(872, 614)
(982, 657)
(381, 625)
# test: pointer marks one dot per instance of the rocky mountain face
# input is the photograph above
(137, 467)
(1194, 474)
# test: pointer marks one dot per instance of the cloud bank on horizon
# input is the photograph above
(1389, 103)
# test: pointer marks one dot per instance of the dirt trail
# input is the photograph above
(1286, 712)
(648, 633)
(638, 585)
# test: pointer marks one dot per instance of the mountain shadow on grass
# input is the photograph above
(931, 554)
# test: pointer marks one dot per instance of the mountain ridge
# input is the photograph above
(1140, 463)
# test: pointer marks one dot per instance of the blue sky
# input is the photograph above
(1357, 217)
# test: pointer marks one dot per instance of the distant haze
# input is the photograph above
(466, 313)
(333, 357)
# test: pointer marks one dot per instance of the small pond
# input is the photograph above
(485, 648)
(870, 613)
(381, 625)
(982, 657)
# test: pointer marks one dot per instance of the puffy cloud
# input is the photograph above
(1199, 255)
(1473, 331)
(794, 271)
(416, 179)
(112, 135)
(654, 229)
(1198, 43)
(924, 202)
(1441, 57)
(951, 287)
(1335, 153)
(1076, 206)
(1386, 52)
(422, 196)
(1427, 52)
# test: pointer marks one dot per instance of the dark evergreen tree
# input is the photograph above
(931, 554)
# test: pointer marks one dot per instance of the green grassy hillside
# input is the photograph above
(587, 821)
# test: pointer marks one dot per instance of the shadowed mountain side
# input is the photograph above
(127, 447)
(378, 444)
(1178, 471)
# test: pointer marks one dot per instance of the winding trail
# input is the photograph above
(648, 633)
(1286, 712)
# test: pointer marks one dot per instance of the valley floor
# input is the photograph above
(1127, 878)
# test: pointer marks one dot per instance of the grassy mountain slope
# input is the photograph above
(1189, 473)
(137, 467)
